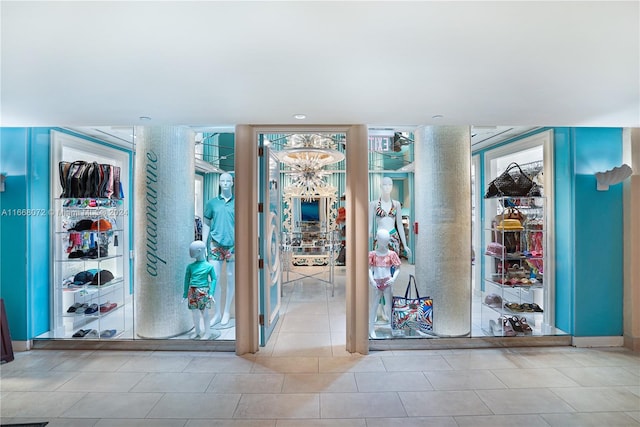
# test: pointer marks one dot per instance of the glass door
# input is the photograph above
(269, 244)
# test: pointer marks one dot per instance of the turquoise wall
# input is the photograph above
(598, 234)
(24, 230)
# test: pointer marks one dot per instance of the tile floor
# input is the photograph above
(304, 377)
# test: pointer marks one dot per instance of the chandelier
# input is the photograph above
(307, 155)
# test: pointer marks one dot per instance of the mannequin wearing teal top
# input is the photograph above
(199, 286)
(219, 229)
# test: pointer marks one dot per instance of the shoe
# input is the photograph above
(91, 334)
(73, 308)
(536, 308)
(513, 306)
(507, 328)
(515, 324)
(107, 307)
(108, 333)
(81, 333)
(81, 309)
(91, 309)
(525, 326)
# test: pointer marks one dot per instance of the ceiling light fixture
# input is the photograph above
(437, 116)
(145, 118)
(299, 116)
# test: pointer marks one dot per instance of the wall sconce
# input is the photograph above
(612, 176)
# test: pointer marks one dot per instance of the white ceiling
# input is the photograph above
(206, 63)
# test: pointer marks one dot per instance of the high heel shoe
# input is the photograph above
(525, 326)
(515, 324)
(507, 327)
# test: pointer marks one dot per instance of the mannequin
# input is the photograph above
(219, 227)
(199, 282)
(384, 268)
(386, 213)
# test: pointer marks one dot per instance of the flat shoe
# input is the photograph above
(107, 333)
(91, 309)
(82, 308)
(81, 333)
(91, 334)
(73, 308)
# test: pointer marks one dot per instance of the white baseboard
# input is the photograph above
(19, 346)
(597, 341)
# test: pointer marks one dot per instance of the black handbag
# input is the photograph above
(513, 182)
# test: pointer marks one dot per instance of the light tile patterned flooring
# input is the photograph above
(304, 377)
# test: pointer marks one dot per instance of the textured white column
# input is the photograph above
(443, 213)
(164, 219)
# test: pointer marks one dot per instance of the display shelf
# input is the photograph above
(513, 265)
(88, 229)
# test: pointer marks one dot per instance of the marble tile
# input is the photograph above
(524, 401)
(103, 381)
(40, 360)
(415, 363)
(334, 422)
(480, 360)
(601, 376)
(37, 404)
(306, 308)
(634, 414)
(472, 379)
(355, 363)
(226, 364)
(590, 420)
(93, 363)
(303, 344)
(361, 405)
(174, 382)
(113, 405)
(391, 381)
(501, 420)
(246, 383)
(141, 422)
(156, 363)
(286, 365)
(534, 378)
(319, 383)
(54, 422)
(195, 405)
(230, 423)
(439, 403)
(542, 360)
(278, 406)
(413, 421)
(308, 323)
(598, 399)
(34, 380)
(606, 357)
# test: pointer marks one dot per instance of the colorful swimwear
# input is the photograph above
(199, 274)
(198, 298)
(388, 260)
(381, 213)
(218, 252)
(383, 283)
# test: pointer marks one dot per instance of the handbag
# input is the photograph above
(514, 184)
(412, 313)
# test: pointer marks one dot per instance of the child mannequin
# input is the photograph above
(199, 285)
(381, 277)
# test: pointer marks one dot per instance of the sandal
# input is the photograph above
(74, 307)
(81, 333)
(515, 323)
(525, 326)
(528, 308)
(507, 328)
(513, 306)
(536, 308)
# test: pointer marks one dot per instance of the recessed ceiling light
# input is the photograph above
(437, 116)
(145, 118)
(299, 116)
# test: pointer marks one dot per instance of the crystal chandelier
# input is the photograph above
(307, 155)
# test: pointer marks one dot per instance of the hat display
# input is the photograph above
(83, 225)
(82, 278)
(493, 300)
(102, 277)
(101, 225)
(510, 225)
